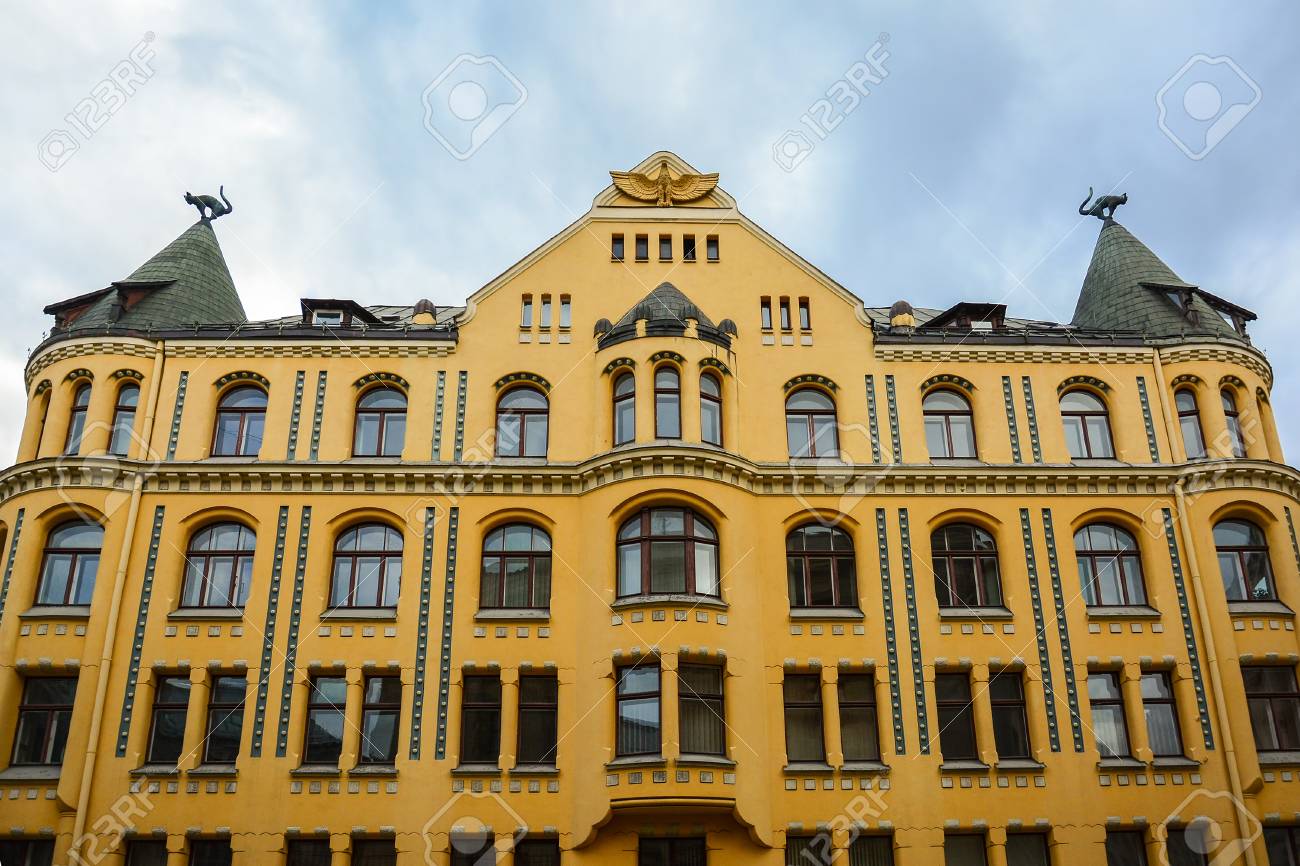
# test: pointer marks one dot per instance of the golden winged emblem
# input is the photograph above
(663, 189)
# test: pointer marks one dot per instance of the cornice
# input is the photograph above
(688, 463)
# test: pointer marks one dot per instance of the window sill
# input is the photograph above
(636, 761)
(232, 458)
(1123, 611)
(1098, 461)
(528, 614)
(386, 614)
(975, 613)
(156, 770)
(476, 770)
(227, 770)
(963, 766)
(1249, 608)
(796, 767)
(1015, 765)
(865, 767)
(500, 460)
(1279, 759)
(56, 611)
(957, 461)
(826, 613)
(534, 770)
(316, 770)
(1174, 762)
(1120, 764)
(31, 774)
(373, 770)
(208, 613)
(668, 599)
(703, 761)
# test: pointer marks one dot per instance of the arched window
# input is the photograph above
(70, 563)
(810, 424)
(522, 421)
(965, 560)
(1243, 561)
(367, 567)
(710, 409)
(219, 566)
(1110, 567)
(667, 550)
(1233, 417)
(516, 568)
(241, 417)
(1087, 425)
(949, 425)
(668, 403)
(77, 419)
(381, 424)
(128, 398)
(820, 567)
(624, 408)
(1189, 421)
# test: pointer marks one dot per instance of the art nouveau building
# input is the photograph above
(665, 549)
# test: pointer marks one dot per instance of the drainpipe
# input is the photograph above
(1212, 658)
(1171, 429)
(114, 612)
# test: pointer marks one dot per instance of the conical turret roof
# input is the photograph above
(1128, 288)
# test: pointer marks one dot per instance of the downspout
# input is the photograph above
(114, 611)
(1171, 430)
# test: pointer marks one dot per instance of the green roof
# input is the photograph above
(1117, 293)
(666, 303)
(186, 283)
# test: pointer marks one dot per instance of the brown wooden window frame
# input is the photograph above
(1270, 700)
(1240, 554)
(76, 555)
(944, 559)
(119, 441)
(50, 716)
(1232, 417)
(387, 555)
(645, 540)
(384, 416)
(535, 554)
(199, 564)
(1189, 421)
(77, 419)
(246, 416)
(1080, 417)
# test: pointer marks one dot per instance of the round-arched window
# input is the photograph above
(70, 563)
(241, 417)
(810, 424)
(965, 559)
(219, 566)
(667, 551)
(949, 425)
(821, 570)
(367, 567)
(522, 423)
(516, 569)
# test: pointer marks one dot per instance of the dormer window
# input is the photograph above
(329, 318)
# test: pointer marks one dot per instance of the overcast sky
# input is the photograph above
(957, 178)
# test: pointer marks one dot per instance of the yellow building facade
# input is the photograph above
(663, 549)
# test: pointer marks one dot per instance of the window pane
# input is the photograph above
(629, 569)
(963, 436)
(963, 850)
(1074, 437)
(1112, 738)
(858, 734)
(825, 439)
(710, 421)
(379, 736)
(1125, 848)
(210, 852)
(668, 566)
(803, 734)
(367, 434)
(668, 423)
(535, 436)
(936, 437)
(1027, 849)
(706, 569)
(638, 726)
(796, 432)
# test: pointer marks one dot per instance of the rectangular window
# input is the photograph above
(1010, 724)
(225, 720)
(26, 852)
(480, 719)
(171, 700)
(688, 248)
(643, 248)
(785, 314)
(956, 718)
(665, 248)
(711, 248)
(765, 313)
(963, 849)
(637, 700)
(675, 851)
(472, 850)
(1162, 714)
(526, 314)
(1125, 848)
(1283, 844)
(545, 318)
(1027, 849)
(566, 311)
(805, 315)
(308, 852)
(333, 318)
(616, 248)
(140, 852)
(44, 717)
(871, 851)
(374, 852)
(809, 850)
(381, 708)
(859, 738)
(1274, 703)
(537, 852)
(1106, 701)
(802, 694)
(209, 852)
(1186, 846)
(539, 705)
(700, 710)
(326, 703)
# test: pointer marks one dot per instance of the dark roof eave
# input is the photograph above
(434, 334)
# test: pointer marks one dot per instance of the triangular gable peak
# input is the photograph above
(717, 207)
